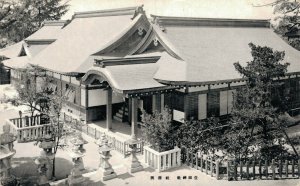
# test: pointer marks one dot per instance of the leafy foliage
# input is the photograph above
(256, 121)
(287, 19)
(204, 136)
(158, 130)
(27, 90)
(20, 18)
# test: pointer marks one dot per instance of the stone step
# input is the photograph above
(121, 112)
(120, 115)
(117, 119)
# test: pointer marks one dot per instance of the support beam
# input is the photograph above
(162, 102)
(154, 107)
(109, 109)
(134, 118)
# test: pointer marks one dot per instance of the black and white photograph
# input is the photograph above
(149, 92)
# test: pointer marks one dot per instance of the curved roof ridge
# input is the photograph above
(198, 21)
(110, 12)
(167, 44)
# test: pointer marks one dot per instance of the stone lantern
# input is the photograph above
(47, 144)
(134, 164)
(6, 153)
(78, 143)
(106, 171)
(76, 154)
(42, 162)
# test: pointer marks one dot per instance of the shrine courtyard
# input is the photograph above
(25, 168)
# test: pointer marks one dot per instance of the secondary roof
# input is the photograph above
(209, 47)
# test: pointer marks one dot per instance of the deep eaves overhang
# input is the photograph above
(106, 70)
(166, 25)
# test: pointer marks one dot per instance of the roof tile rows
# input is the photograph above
(197, 50)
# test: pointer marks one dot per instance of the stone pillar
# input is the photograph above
(134, 164)
(109, 109)
(133, 117)
(6, 152)
(105, 170)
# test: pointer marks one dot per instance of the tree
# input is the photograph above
(41, 99)
(204, 136)
(158, 130)
(287, 18)
(20, 18)
(256, 117)
(26, 88)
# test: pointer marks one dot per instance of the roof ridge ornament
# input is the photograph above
(139, 10)
(198, 21)
(109, 12)
(155, 20)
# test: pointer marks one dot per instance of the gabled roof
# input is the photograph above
(86, 34)
(209, 47)
(126, 74)
(17, 62)
(35, 42)
(12, 51)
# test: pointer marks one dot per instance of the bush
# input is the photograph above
(276, 152)
(158, 131)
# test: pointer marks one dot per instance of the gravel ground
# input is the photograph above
(24, 166)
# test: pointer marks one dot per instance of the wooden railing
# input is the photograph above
(205, 163)
(29, 128)
(243, 170)
(162, 161)
(119, 144)
(263, 169)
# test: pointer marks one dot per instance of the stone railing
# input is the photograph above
(118, 143)
(29, 128)
(162, 161)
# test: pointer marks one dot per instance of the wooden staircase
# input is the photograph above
(122, 114)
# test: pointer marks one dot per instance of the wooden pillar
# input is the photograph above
(162, 102)
(109, 109)
(154, 107)
(86, 103)
(186, 104)
(134, 118)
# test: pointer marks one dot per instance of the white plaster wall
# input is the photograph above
(178, 116)
(97, 97)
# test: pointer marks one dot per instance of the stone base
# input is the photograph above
(135, 167)
(76, 181)
(107, 174)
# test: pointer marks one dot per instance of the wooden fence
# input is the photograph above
(242, 170)
(204, 163)
(263, 169)
(29, 128)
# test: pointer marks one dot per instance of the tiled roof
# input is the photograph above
(40, 38)
(86, 34)
(209, 47)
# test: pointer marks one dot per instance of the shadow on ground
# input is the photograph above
(25, 169)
